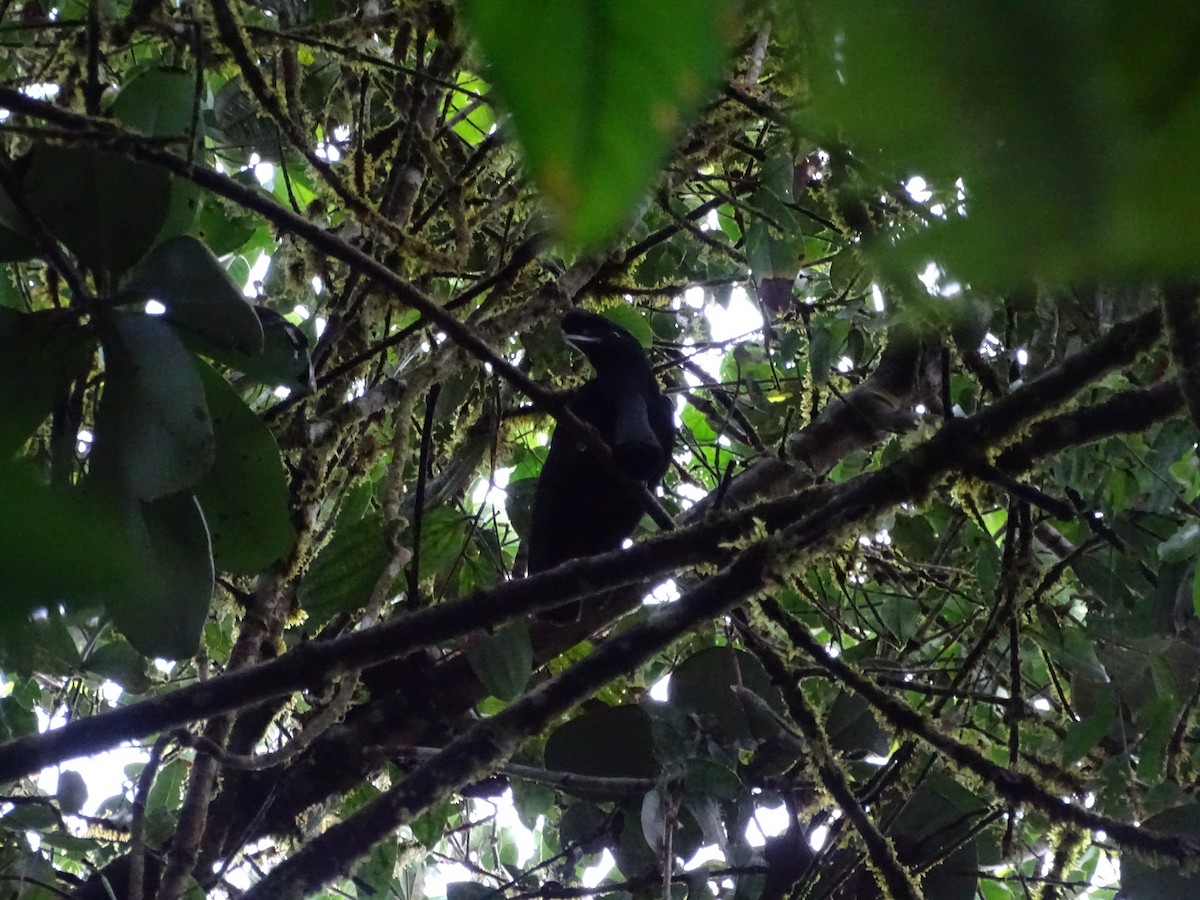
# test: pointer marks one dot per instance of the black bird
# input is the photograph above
(582, 507)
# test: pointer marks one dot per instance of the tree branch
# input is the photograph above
(1181, 310)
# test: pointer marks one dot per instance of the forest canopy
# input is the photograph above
(914, 610)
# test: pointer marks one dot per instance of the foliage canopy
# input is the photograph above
(279, 359)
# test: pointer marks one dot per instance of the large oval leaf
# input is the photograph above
(245, 493)
(503, 662)
(598, 91)
(852, 727)
(241, 124)
(56, 547)
(343, 574)
(199, 295)
(40, 354)
(164, 601)
(153, 425)
(587, 825)
(607, 742)
(158, 102)
(702, 685)
(107, 210)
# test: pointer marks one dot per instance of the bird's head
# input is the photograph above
(604, 342)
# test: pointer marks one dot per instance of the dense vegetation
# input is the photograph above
(280, 358)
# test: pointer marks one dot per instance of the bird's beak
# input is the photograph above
(581, 341)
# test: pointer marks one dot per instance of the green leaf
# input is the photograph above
(245, 493)
(75, 846)
(820, 353)
(990, 94)
(30, 644)
(376, 872)
(162, 606)
(445, 534)
(186, 202)
(344, 573)
(15, 720)
(632, 854)
(771, 255)
(153, 426)
(846, 273)
(55, 546)
(698, 424)
(586, 824)
(108, 210)
(902, 616)
(1196, 591)
(1101, 576)
(223, 230)
(475, 119)
(428, 828)
(159, 102)
(40, 355)
(1083, 735)
(704, 813)
(240, 123)
(167, 791)
(852, 727)
(503, 661)
(1142, 881)
(199, 295)
(708, 778)
(119, 662)
(632, 321)
(455, 392)
(598, 91)
(702, 686)
(1073, 649)
(608, 742)
(29, 817)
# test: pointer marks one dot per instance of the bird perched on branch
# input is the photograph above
(581, 506)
